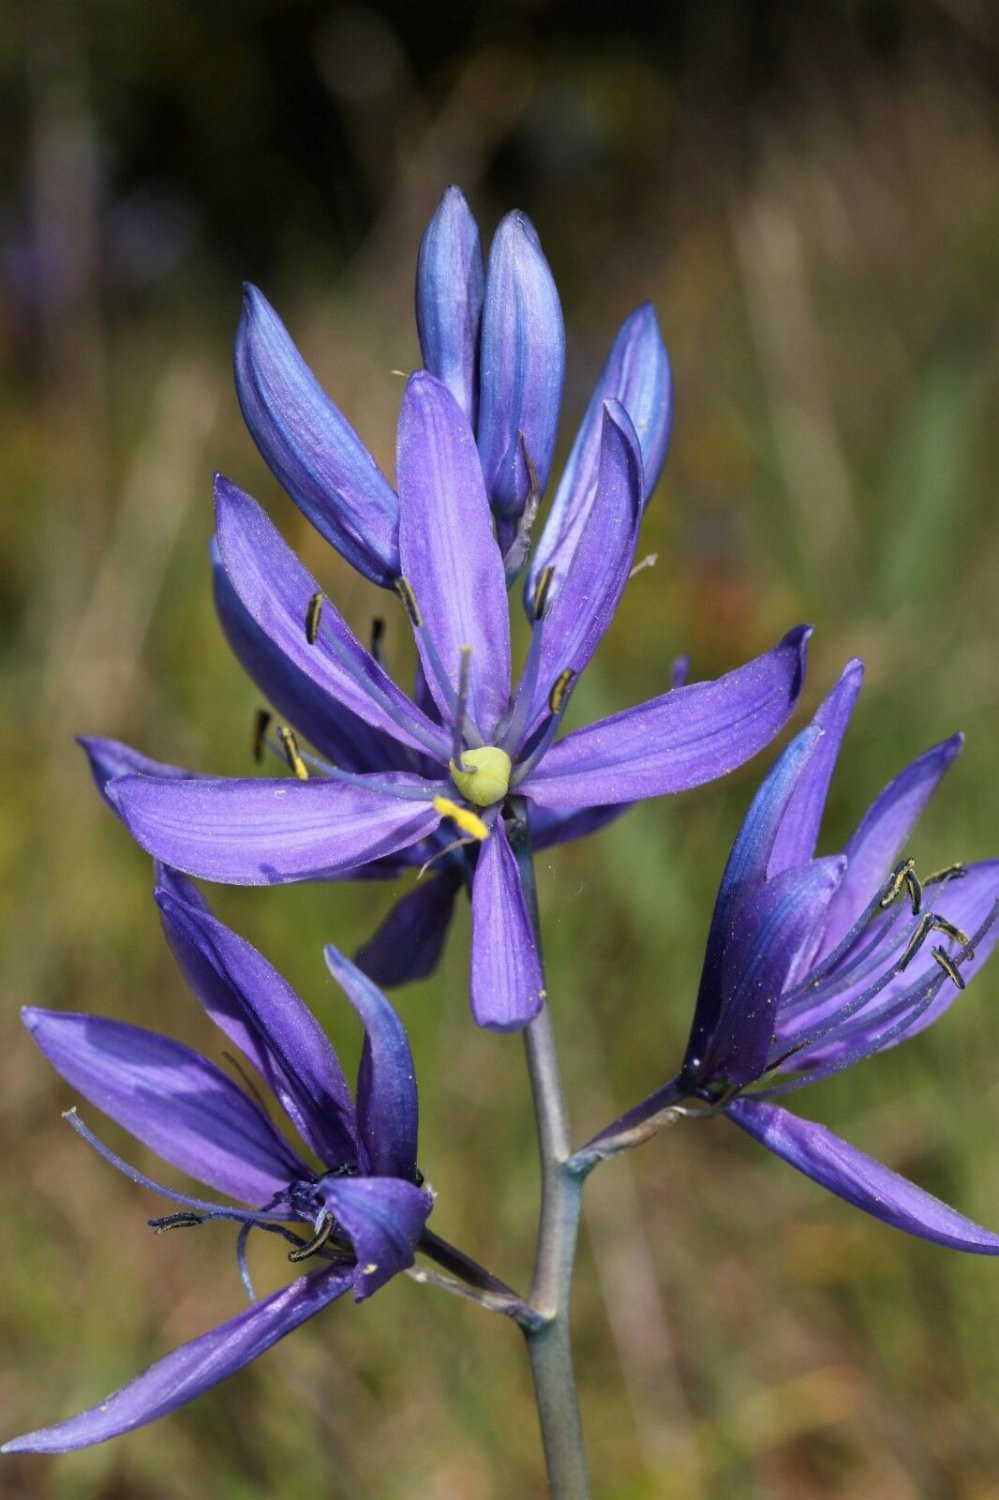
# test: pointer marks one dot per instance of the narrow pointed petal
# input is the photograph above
(522, 366)
(448, 550)
(384, 1218)
(275, 589)
(172, 1100)
(319, 717)
(193, 1368)
(768, 932)
(799, 831)
(311, 447)
(259, 1011)
(586, 597)
(409, 942)
(551, 828)
(449, 287)
(387, 1104)
(745, 872)
(882, 833)
(271, 832)
(684, 738)
(852, 1174)
(507, 988)
(637, 375)
(110, 759)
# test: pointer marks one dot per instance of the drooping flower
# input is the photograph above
(393, 769)
(815, 963)
(363, 1207)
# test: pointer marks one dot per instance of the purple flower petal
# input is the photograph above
(550, 828)
(193, 1368)
(857, 1177)
(449, 553)
(384, 1218)
(172, 1100)
(275, 589)
(449, 287)
(409, 942)
(882, 833)
(745, 872)
(388, 1114)
(682, 739)
(311, 447)
(507, 987)
(799, 829)
(522, 366)
(586, 596)
(637, 375)
(259, 1011)
(110, 759)
(768, 931)
(272, 832)
(335, 731)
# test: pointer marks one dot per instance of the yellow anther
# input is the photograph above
(293, 755)
(482, 776)
(467, 821)
(313, 615)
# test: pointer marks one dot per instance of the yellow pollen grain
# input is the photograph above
(467, 821)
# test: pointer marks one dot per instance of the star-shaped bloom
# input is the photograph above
(352, 1184)
(397, 776)
(814, 964)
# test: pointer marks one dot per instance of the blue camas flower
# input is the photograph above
(813, 964)
(400, 781)
(352, 1186)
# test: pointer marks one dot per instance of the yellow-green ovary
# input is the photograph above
(482, 776)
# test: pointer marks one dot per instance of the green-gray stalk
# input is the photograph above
(548, 1335)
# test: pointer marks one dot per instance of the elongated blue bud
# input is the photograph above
(637, 374)
(449, 287)
(522, 367)
(311, 447)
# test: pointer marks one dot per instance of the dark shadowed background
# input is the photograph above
(810, 196)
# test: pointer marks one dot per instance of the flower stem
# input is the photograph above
(548, 1338)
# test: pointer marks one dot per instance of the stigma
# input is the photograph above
(482, 776)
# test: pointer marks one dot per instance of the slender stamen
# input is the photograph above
(465, 819)
(560, 687)
(377, 636)
(542, 591)
(313, 614)
(558, 702)
(432, 661)
(368, 681)
(949, 872)
(241, 1262)
(289, 744)
(458, 729)
(899, 878)
(183, 1219)
(317, 1242)
(949, 967)
(927, 924)
(366, 780)
(261, 724)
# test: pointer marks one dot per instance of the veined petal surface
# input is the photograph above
(409, 942)
(450, 279)
(384, 1218)
(448, 550)
(260, 1012)
(172, 1100)
(275, 589)
(585, 598)
(522, 366)
(268, 832)
(798, 833)
(193, 1368)
(882, 833)
(507, 987)
(111, 758)
(387, 1102)
(684, 738)
(852, 1174)
(637, 375)
(311, 447)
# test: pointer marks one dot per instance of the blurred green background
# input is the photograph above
(810, 196)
